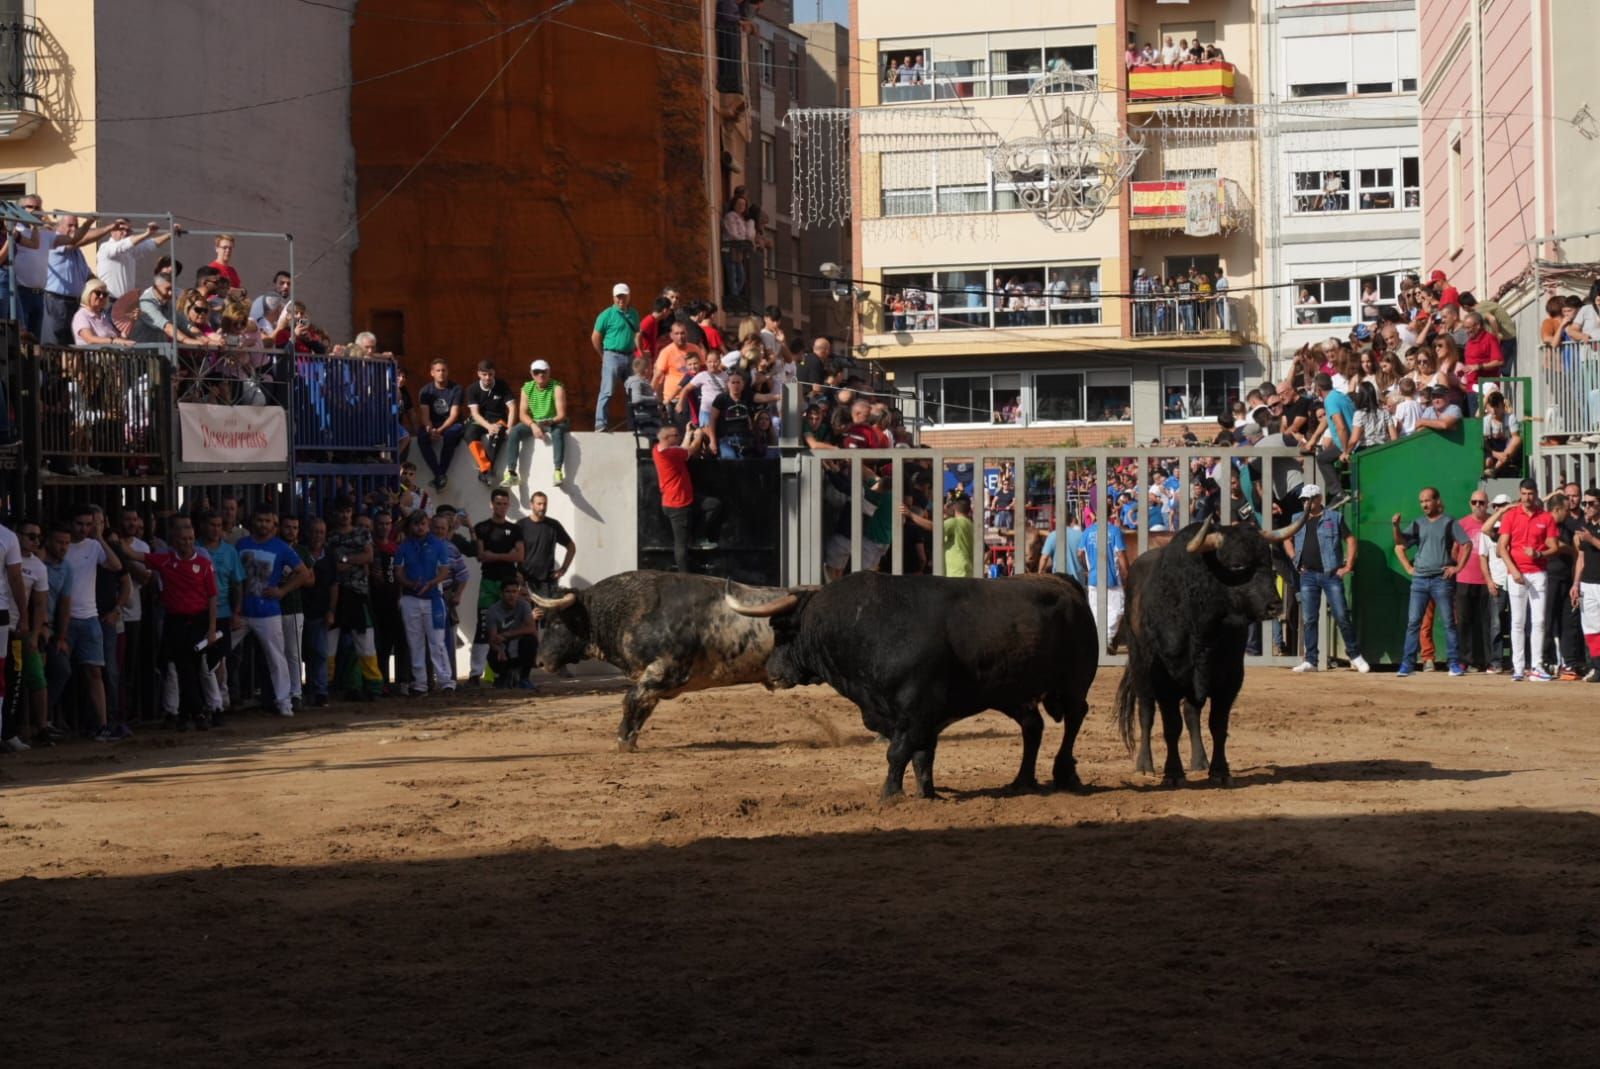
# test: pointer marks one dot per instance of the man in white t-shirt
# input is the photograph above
(139, 654)
(88, 553)
(32, 705)
(121, 262)
(30, 265)
(1495, 576)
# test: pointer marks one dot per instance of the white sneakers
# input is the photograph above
(1304, 666)
(1360, 665)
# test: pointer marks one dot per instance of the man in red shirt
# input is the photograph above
(863, 434)
(677, 493)
(225, 268)
(1527, 539)
(1482, 353)
(189, 596)
(654, 330)
(1448, 294)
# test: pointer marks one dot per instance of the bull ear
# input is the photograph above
(1205, 540)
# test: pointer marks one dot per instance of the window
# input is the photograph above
(1321, 191)
(907, 73)
(1009, 397)
(1003, 296)
(954, 182)
(1336, 64)
(1375, 189)
(1411, 181)
(1364, 180)
(1342, 300)
(1200, 392)
(1015, 71)
(769, 160)
(962, 66)
(765, 54)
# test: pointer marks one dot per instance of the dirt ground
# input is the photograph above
(1405, 871)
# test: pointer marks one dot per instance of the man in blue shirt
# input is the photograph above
(1064, 562)
(271, 569)
(421, 569)
(230, 589)
(66, 274)
(1090, 559)
(1331, 442)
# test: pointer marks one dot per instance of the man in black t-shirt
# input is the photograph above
(499, 550)
(439, 430)
(1586, 585)
(541, 535)
(491, 412)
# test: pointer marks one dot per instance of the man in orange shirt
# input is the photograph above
(669, 372)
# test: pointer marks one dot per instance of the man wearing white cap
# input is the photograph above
(1324, 552)
(543, 416)
(615, 332)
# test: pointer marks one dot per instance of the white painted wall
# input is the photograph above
(285, 167)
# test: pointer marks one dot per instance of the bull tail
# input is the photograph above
(1127, 708)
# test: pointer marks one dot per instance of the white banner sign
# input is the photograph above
(234, 434)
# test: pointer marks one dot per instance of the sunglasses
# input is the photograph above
(1479, 501)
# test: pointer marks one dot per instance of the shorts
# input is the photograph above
(86, 642)
(838, 555)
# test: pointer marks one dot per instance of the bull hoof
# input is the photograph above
(1172, 781)
(1199, 765)
(1144, 764)
(1220, 777)
(627, 745)
(1022, 785)
(891, 794)
(1071, 784)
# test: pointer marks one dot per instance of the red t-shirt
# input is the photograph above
(187, 586)
(1527, 533)
(863, 436)
(1451, 295)
(713, 338)
(1484, 349)
(654, 340)
(1472, 572)
(672, 472)
(227, 272)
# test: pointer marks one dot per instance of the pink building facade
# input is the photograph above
(1506, 159)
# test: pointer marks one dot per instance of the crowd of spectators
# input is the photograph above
(1184, 302)
(1171, 55)
(105, 630)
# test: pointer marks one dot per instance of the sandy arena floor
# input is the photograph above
(1407, 871)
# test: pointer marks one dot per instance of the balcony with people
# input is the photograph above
(997, 298)
(1189, 299)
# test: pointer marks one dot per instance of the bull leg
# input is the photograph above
(1197, 746)
(922, 760)
(1032, 725)
(1147, 725)
(899, 757)
(1071, 712)
(637, 705)
(1172, 728)
(1219, 740)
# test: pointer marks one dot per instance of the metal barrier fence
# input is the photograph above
(806, 508)
(101, 412)
(1185, 316)
(1561, 464)
(1569, 380)
(345, 404)
(231, 376)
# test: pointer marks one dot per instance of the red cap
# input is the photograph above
(1437, 276)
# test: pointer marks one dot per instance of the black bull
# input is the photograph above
(916, 653)
(669, 633)
(1189, 606)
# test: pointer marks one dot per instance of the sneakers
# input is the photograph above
(1359, 663)
(1568, 675)
(1456, 669)
(1538, 675)
(123, 731)
(1304, 666)
(15, 745)
(528, 685)
(559, 477)
(285, 712)
(1404, 670)
(1492, 670)
(106, 734)
(704, 543)
(1429, 666)
(485, 477)
(510, 477)
(1516, 677)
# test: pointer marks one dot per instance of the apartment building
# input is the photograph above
(1012, 331)
(1341, 153)
(1510, 141)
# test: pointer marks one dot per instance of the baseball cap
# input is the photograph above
(1310, 490)
(539, 365)
(620, 290)
(1501, 499)
(1437, 276)
(1362, 332)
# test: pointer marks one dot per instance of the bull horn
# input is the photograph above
(775, 607)
(1283, 534)
(565, 601)
(1205, 540)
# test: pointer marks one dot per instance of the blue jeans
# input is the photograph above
(1313, 587)
(1442, 592)
(614, 367)
(30, 306)
(316, 653)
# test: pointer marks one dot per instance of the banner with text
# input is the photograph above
(229, 434)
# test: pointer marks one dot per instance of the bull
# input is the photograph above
(917, 653)
(669, 633)
(1189, 607)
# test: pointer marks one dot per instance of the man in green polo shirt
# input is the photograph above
(615, 331)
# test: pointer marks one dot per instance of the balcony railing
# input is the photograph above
(1569, 381)
(101, 412)
(345, 406)
(946, 312)
(1164, 205)
(1187, 81)
(743, 278)
(1182, 316)
(22, 76)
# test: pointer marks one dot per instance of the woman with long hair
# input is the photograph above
(1373, 425)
